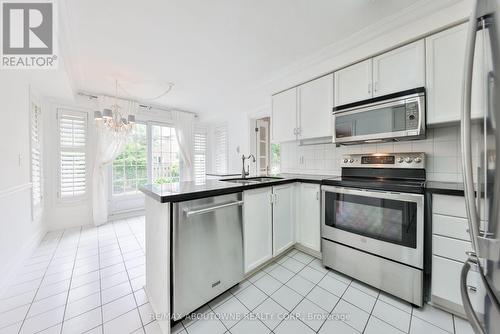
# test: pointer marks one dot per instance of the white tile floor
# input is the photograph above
(90, 280)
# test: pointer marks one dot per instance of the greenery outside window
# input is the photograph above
(130, 167)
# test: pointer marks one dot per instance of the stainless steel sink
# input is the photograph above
(253, 180)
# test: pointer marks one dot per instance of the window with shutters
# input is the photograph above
(165, 162)
(73, 155)
(130, 167)
(36, 156)
(221, 151)
(200, 153)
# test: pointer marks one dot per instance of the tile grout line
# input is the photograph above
(70, 280)
(284, 284)
(338, 301)
(129, 281)
(43, 277)
(99, 274)
(371, 311)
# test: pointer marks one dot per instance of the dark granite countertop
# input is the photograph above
(185, 191)
(445, 188)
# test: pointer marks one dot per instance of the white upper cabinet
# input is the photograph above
(445, 56)
(315, 108)
(283, 218)
(257, 227)
(400, 69)
(309, 218)
(353, 83)
(284, 116)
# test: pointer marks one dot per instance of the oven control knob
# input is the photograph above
(418, 160)
(351, 160)
(401, 160)
(408, 160)
(345, 161)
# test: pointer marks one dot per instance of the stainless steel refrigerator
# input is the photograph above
(481, 171)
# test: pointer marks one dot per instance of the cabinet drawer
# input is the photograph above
(450, 248)
(449, 205)
(453, 227)
(449, 226)
(446, 283)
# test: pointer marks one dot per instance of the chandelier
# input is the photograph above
(113, 118)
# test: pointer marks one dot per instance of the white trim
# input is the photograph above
(410, 14)
(15, 189)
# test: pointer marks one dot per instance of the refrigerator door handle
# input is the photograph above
(465, 125)
(469, 310)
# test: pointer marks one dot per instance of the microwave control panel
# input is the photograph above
(412, 115)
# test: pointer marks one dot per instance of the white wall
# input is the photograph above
(386, 36)
(442, 149)
(18, 233)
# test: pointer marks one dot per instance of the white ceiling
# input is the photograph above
(212, 50)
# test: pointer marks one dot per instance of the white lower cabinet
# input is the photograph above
(257, 227)
(309, 216)
(450, 242)
(268, 223)
(283, 218)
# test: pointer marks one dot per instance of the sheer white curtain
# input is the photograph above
(184, 131)
(109, 145)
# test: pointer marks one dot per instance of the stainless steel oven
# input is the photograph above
(383, 223)
(399, 116)
(372, 222)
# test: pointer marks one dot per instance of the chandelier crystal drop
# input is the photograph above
(113, 118)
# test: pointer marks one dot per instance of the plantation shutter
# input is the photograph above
(73, 163)
(221, 159)
(200, 153)
(36, 158)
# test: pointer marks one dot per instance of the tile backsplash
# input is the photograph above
(441, 146)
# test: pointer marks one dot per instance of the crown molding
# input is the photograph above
(68, 49)
(410, 14)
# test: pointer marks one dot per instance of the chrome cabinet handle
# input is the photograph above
(190, 213)
(472, 288)
(369, 88)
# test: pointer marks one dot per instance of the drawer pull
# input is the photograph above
(472, 288)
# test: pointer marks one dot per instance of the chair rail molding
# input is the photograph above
(15, 189)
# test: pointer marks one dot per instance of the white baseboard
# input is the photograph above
(127, 214)
(17, 261)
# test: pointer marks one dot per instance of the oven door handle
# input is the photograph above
(407, 197)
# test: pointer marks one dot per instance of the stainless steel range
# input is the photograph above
(372, 223)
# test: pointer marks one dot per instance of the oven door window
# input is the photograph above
(378, 218)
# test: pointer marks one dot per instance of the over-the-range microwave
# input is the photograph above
(393, 117)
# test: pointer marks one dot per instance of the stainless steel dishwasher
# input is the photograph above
(207, 250)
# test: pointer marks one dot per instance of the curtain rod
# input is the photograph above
(141, 105)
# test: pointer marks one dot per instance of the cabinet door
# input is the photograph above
(445, 56)
(353, 83)
(283, 218)
(257, 227)
(284, 116)
(445, 285)
(399, 69)
(315, 108)
(309, 216)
